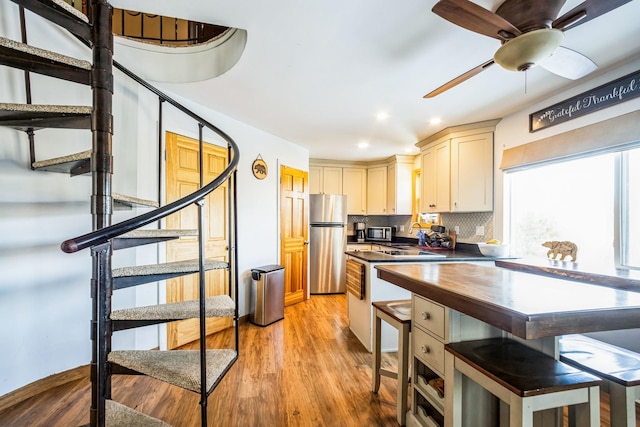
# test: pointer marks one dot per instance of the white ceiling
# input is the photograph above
(317, 73)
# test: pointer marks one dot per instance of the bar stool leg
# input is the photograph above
(623, 407)
(375, 384)
(403, 372)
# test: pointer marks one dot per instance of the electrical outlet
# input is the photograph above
(401, 228)
(479, 230)
(457, 229)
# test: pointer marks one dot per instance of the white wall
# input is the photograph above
(45, 305)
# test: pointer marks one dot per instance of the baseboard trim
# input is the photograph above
(23, 393)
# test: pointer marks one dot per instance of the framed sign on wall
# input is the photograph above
(259, 168)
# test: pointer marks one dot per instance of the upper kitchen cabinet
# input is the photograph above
(436, 185)
(354, 186)
(377, 190)
(325, 180)
(457, 169)
(399, 185)
(472, 173)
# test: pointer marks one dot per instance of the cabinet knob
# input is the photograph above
(425, 349)
(425, 315)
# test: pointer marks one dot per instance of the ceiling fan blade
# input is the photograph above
(568, 63)
(469, 15)
(586, 11)
(461, 78)
(530, 15)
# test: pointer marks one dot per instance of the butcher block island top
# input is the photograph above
(527, 305)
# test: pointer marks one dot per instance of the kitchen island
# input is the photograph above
(533, 308)
(359, 309)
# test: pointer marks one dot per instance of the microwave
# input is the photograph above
(384, 234)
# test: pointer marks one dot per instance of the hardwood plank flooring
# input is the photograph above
(305, 370)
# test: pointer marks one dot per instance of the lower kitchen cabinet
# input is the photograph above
(433, 326)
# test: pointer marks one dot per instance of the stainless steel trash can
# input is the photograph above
(267, 294)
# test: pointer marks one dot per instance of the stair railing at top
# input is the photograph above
(104, 234)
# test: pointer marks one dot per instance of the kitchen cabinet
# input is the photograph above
(472, 173)
(436, 172)
(399, 186)
(377, 190)
(457, 169)
(354, 186)
(433, 326)
(325, 180)
(358, 247)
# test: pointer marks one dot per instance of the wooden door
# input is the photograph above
(294, 197)
(183, 166)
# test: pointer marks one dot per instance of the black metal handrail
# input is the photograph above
(105, 234)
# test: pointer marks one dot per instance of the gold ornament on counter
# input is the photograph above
(259, 168)
(565, 248)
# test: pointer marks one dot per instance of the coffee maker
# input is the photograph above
(359, 228)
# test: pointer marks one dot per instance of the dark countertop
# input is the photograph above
(464, 252)
(527, 305)
(615, 278)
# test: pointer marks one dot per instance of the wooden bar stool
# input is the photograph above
(398, 315)
(524, 379)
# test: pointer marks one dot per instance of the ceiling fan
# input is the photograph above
(530, 31)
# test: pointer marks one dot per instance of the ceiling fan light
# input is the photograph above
(528, 49)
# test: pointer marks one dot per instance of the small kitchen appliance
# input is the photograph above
(359, 228)
(380, 234)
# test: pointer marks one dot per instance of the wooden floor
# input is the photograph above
(306, 370)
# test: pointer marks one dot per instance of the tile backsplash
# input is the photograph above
(467, 222)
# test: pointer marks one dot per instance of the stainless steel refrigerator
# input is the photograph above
(328, 239)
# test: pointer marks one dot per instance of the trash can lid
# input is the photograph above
(267, 268)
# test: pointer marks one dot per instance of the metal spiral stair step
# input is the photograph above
(149, 236)
(122, 202)
(30, 58)
(178, 367)
(216, 306)
(135, 275)
(35, 116)
(73, 164)
(119, 415)
(61, 13)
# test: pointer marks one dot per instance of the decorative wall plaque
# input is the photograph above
(615, 92)
(259, 168)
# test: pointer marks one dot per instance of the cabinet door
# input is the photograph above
(315, 179)
(354, 186)
(472, 173)
(377, 191)
(399, 188)
(331, 180)
(436, 185)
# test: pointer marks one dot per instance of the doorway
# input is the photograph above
(182, 178)
(294, 243)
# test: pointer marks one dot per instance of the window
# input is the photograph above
(578, 200)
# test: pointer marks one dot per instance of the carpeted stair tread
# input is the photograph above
(130, 201)
(84, 155)
(178, 367)
(217, 306)
(46, 108)
(154, 232)
(119, 415)
(47, 54)
(188, 266)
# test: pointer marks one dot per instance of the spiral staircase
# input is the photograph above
(200, 370)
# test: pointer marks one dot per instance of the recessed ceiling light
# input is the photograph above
(382, 115)
(411, 149)
(363, 144)
(435, 121)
